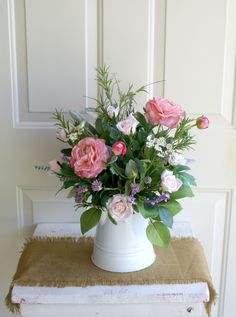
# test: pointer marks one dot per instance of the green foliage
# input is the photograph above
(172, 205)
(182, 138)
(147, 210)
(184, 191)
(166, 216)
(72, 192)
(66, 170)
(131, 169)
(89, 219)
(116, 170)
(111, 218)
(66, 152)
(158, 234)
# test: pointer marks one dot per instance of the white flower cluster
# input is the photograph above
(72, 133)
(159, 144)
(74, 136)
(165, 150)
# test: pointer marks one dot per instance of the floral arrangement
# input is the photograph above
(127, 162)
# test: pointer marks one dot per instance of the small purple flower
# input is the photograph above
(65, 158)
(164, 197)
(151, 201)
(132, 200)
(81, 189)
(96, 186)
(134, 189)
(79, 198)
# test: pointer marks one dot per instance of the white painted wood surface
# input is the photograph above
(116, 310)
(189, 44)
(104, 300)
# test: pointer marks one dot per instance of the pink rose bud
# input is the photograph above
(119, 148)
(54, 167)
(202, 122)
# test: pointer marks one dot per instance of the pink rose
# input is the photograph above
(89, 157)
(164, 112)
(202, 122)
(120, 207)
(169, 182)
(119, 148)
(128, 125)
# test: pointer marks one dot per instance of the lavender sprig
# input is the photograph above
(81, 189)
(164, 197)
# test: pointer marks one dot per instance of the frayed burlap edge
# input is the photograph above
(15, 308)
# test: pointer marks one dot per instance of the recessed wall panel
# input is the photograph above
(55, 32)
(195, 44)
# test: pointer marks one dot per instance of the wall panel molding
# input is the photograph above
(24, 115)
(229, 72)
(150, 45)
(36, 204)
(200, 58)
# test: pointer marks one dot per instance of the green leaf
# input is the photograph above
(96, 199)
(142, 167)
(172, 205)
(158, 234)
(184, 191)
(155, 174)
(127, 187)
(66, 170)
(131, 169)
(135, 208)
(114, 134)
(104, 200)
(99, 126)
(135, 145)
(104, 178)
(141, 119)
(141, 136)
(66, 152)
(72, 192)
(69, 183)
(166, 217)
(111, 218)
(180, 168)
(116, 170)
(187, 178)
(147, 212)
(89, 219)
(113, 159)
(76, 116)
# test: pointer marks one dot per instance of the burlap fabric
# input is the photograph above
(60, 262)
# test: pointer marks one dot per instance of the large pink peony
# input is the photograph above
(164, 112)
(89, 157)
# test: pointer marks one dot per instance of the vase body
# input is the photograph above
(123, 247)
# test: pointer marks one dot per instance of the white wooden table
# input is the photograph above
(166, 300)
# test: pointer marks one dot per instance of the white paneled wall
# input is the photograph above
(51, 50)
(53, 56)
(200, 74)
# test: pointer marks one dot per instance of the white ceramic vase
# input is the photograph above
(123, 247)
